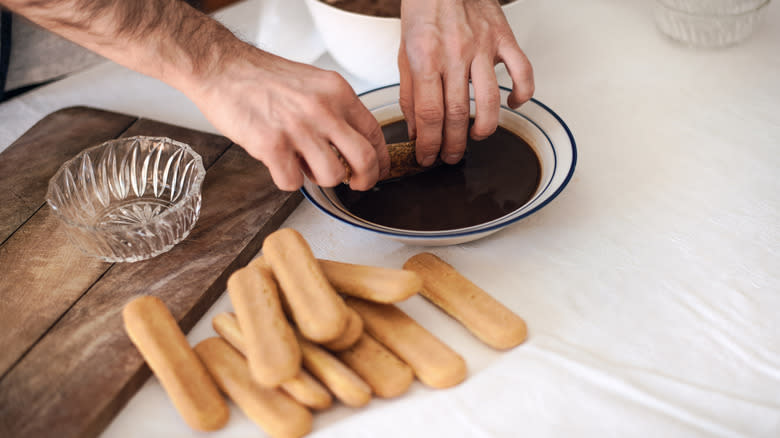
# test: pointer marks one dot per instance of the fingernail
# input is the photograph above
(452, 158)
(428, 160)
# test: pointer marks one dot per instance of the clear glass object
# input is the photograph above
(709, 23)
(128, 199)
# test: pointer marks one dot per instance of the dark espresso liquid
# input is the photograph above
(497, 176)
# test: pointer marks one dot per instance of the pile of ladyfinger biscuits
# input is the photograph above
(306, 330)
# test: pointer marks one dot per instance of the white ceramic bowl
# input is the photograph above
(367, 46)
(709, 23)
(544, 130)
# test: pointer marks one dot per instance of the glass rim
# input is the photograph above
(195, 189)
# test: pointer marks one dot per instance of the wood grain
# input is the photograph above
(85, 369)
(54, 272)
(77, 368)
(27, 165)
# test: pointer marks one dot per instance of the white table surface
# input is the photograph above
(651, 286)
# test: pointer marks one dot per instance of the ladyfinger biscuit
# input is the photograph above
(302, 387)
(269, 342)
(307, 391)
(274, 411)
(226, 325)
(434, 363)
(480, 313)
(387, 375)
(351, 333)
(316, 308)
(371, 283)
(259, 263)
(155, 333)
(342, 381)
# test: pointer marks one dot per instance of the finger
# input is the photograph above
(322, 162)
(359, 153)
(406, 98)
(456, 115)
(486, 97)
(361, 119)
(520, 71)
(283, 163)
(428, 115)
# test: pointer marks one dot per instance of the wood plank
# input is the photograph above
(44, 274)
(27, 165)
(84, 370)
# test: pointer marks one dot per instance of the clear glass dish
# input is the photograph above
(128, 199)
(709, 23)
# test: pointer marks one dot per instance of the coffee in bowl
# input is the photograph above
(497, 176)
(534, 126)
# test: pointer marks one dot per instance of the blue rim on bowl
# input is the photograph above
(323, 200)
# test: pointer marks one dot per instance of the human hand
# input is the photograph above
(290, 116)
(443, 44)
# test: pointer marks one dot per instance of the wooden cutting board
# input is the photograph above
(66, 365)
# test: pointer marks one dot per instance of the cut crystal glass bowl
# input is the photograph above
(128, 199)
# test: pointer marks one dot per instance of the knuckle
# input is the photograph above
(460, 50)
(288, 182)
(255, 150)
(331, 179)
(316, 106)
(294, 127)
(362, 160)
(484, 27)
(458, 112)
(375, 135)
(507, 39)
(332, 78)
(526, 71)
(335, 86)
(525, 93)
(429, 113)
(273, 146)
(492, 99)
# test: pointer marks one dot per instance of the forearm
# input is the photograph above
(287, 114)
(165, 39)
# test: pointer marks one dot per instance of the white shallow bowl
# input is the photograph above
(367, 46)
(537, 124)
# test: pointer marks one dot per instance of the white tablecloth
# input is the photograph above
(651, 286)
